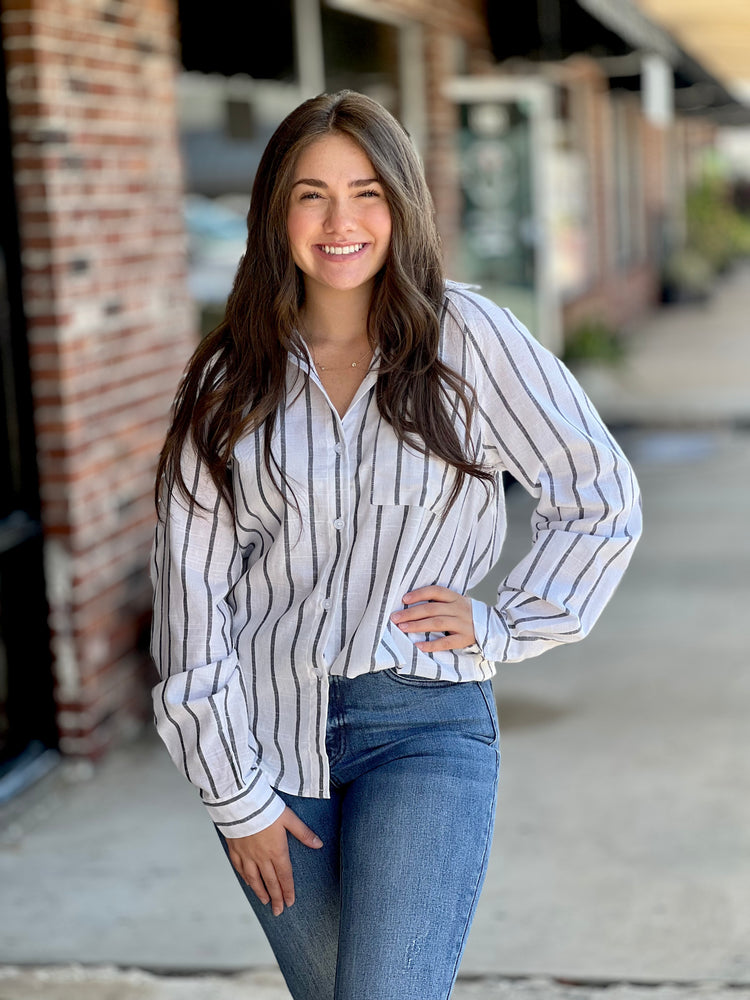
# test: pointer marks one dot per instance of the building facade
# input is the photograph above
(132, 131)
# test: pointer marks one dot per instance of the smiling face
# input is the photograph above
(339, 223)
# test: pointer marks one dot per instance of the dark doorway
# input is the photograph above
(27, 715)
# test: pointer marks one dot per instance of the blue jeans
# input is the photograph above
(383, 909)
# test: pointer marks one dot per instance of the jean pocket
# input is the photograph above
(488, 696)
(411, 680)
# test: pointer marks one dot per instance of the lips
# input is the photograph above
(340, 250)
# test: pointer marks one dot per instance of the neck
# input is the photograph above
(336, 319)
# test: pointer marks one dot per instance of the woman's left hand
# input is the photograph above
(437, 609)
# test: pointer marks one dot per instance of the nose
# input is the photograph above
(339, 216)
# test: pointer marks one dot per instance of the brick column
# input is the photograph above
(110, 325)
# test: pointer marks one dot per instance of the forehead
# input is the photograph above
(334, 156)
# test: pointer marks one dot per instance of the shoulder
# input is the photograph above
(480, 321)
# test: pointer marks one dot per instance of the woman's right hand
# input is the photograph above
(262, 859)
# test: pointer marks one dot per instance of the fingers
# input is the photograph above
(270, 877)
(255, 882)
(277, 876)
(437, 609)
(453, 641)
(248, 870)
(431, 593)
(459, 609)
(430, 622)
(298, 829)
(262, 859)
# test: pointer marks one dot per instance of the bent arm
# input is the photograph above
(545, 431)
(200, 704)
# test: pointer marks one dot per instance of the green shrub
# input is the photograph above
(592, 340)
(687, 276)
(715, 229)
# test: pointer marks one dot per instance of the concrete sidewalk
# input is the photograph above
(685, 364)
(622, 849)
(79, 983)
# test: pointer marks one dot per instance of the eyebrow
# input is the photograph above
(314, 182)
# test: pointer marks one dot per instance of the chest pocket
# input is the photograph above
(401, 476)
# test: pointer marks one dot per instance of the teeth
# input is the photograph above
(354, 248)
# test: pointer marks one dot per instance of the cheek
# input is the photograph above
(378, 222)
(295, 231)
(387, 225)
(292, 227)
(386, 229)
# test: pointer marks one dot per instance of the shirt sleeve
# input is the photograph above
(538, 424)
(200, 704)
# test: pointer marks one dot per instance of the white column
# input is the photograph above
(657, 89)
(308, 45)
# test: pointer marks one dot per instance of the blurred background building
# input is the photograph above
(574, 149)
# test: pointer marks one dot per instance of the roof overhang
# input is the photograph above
(624, 19)
(618, 35)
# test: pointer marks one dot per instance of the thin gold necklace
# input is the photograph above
(354, 364)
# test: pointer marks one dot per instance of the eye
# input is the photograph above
(309, 196)
(370, 193)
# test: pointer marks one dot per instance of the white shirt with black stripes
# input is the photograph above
(253, 612)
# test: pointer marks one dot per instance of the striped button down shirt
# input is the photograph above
(253, 611)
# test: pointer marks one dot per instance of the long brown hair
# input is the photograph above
(236, 379)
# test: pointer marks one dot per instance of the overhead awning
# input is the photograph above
(548, 30)
(631, 24)
(698, 92)
(618, 35)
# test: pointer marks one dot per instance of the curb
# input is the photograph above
(78, 982)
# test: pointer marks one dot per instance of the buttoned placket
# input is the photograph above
(343, 477)
(343, 481)
(338, 514)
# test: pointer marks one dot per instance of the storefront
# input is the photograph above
(135, 133)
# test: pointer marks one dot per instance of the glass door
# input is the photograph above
(504, 149)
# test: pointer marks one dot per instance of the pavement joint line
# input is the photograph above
(468, 978)
(685, 423)
(603, 983)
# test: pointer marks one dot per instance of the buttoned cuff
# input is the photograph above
(490, 631)
(249, 811)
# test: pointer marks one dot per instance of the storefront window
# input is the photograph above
(497, 242)
(227, 115)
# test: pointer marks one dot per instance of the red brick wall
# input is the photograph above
(110, 327)
(618, 294)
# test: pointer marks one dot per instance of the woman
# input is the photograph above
(329, 491)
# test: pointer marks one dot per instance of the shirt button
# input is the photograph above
(337, 448)
(326, 604)
(338, 524)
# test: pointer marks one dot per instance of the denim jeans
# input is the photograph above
(383, 909)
